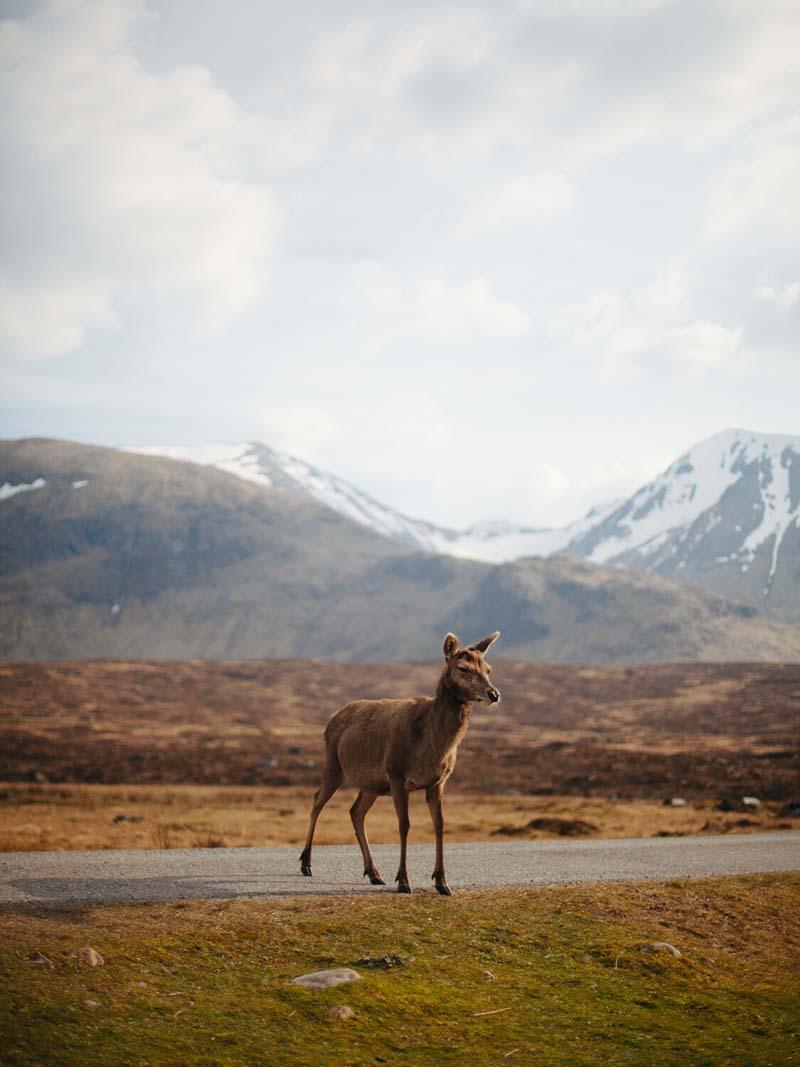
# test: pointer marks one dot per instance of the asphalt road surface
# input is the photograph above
(106, 877)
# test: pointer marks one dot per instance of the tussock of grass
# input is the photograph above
(556, 974)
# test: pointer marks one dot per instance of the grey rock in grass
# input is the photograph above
(663, 946)
(90, 956)
(342, 1013)
(327, 979)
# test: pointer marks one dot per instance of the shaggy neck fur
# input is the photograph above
(450, 714)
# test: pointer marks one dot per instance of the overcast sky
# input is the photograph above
(486, 260)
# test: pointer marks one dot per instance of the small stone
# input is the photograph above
(41, 959)
(342, 1012)
(327, 979)
(663, 946)
(90, 956)
(92, 1003)
(674, 802)
(751, 802)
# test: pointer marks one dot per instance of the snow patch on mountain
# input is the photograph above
(236, 459)
(7, 490)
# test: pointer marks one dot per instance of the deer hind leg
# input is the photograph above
(433, 794)
(358, 814)
(331, 780)
(400, 798)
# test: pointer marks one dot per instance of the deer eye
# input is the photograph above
(464, 670)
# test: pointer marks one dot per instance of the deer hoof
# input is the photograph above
(306, 870)
(445, 890)
(404, 888)
(375, 878)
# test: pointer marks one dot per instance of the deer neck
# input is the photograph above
(449, 716)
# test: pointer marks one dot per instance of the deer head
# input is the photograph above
(467, 672)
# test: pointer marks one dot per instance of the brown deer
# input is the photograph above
(387, 747)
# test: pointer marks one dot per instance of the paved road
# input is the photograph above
(57, 878)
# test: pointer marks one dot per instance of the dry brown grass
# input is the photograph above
(49, 817)
(696, 730)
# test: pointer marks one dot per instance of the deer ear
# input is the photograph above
(450, 646)
(481, 646)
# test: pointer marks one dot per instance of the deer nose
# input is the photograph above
(493, 695)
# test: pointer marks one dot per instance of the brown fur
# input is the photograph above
(387, 747)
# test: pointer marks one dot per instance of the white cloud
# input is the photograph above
(481, 79)
(520, 201)
(438, 310)
(428, 82)
(625, 333)
(784, 299)
(148, 204)
(596, 10)
(703, 344)
(756, 195)
(37, 321)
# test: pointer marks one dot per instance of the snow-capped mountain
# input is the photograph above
(491, 542)
(257, 462)
(725, 515)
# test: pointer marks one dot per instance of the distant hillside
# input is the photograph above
(108, 554)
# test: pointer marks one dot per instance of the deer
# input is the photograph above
(391, 747)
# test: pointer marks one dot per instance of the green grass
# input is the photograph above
(209, 982)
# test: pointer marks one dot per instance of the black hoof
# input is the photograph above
(445, 890)
(306, 871)
(404, 889)
(374, 878)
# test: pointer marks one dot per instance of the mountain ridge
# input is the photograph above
(682, 524)
(127, 556)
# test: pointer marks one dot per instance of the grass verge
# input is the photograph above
(554, 976)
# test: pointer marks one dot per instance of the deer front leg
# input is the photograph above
(400, 798)
(330, 784)
(434, 794)
(358, 813)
